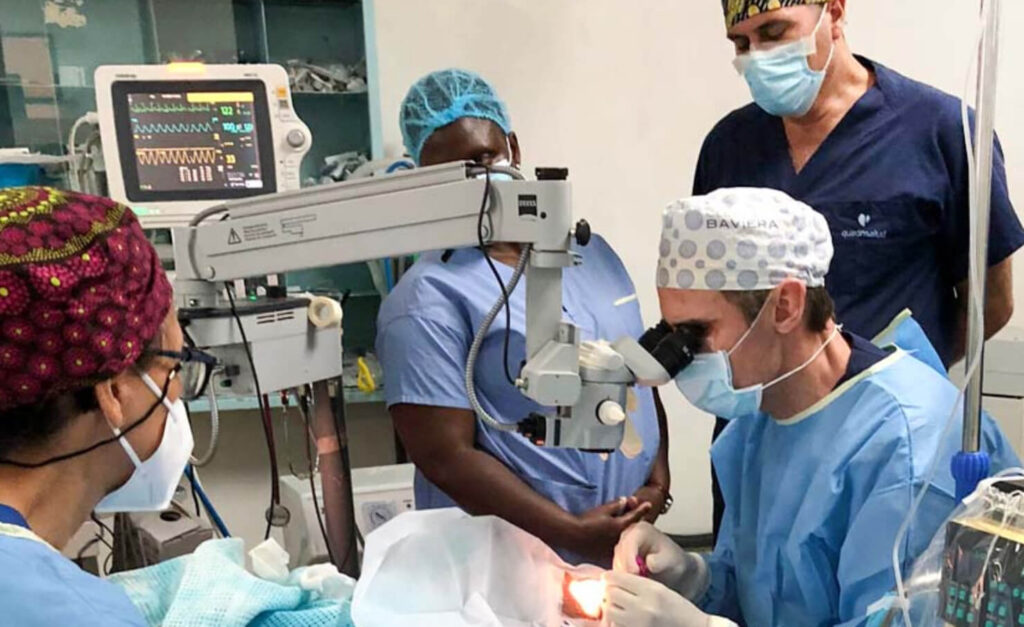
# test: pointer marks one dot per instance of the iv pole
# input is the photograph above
(971, 465)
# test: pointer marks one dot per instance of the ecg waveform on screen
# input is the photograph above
(195, 141)
(176, 156)
(157, 128)
(171, 107)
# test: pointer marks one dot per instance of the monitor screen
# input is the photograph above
(194, 140)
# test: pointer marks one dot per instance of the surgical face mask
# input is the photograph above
(780, 79)
(152, 484)
(707, 382)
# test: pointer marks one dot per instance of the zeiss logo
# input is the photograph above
(864, 220)
(718, 223)
(527, 205)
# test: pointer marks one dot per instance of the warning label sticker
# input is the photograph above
(258, 232)
(296, 226)
(233, 237)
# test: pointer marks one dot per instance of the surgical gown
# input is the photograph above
(425, 329)
(39, 587)
(813, 503)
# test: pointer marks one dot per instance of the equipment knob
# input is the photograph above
(296, 138)
(583, 233)
(610, 413)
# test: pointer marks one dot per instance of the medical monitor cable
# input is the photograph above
(275, 497)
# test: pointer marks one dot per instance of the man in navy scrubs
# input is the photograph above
(880, 155)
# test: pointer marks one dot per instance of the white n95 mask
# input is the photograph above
(707, 382)
(151, 486)
(780, 79)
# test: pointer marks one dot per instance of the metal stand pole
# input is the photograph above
(972, 465)
(335, 478)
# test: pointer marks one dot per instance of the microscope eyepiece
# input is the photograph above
(674, 348)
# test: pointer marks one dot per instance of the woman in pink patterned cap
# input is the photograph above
(91, 414)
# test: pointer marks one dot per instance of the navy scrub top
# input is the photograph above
(891, 180)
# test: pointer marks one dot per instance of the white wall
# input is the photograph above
(623, 92)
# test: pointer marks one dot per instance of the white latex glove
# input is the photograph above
(634, 601)
(686, 573)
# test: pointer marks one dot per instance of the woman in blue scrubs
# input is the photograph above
(577, 502)
(90, 411)
(881, 156)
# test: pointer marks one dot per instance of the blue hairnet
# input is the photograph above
(442, 97)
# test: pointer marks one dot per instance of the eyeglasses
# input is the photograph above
(194, 369)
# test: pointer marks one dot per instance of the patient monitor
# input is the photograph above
(183, 137)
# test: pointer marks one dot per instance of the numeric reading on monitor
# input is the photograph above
(195, 140)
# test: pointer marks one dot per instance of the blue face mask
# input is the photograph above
(707, 382)
(504, 162)
(781, 81)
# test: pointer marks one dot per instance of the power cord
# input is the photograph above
(275, 497)
(497, 276)
(339, 421)
(275, 476)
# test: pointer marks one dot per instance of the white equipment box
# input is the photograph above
(379, 494)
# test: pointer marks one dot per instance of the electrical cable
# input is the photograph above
(478, 340)
(89, 118)
(494, 270)
(195, 499)
(206, 213)
(211, 511)
(200, 461)
(304, 410)
(88, 545)
(338, 412)
(264, 413)
(275, 476)
(99, 523)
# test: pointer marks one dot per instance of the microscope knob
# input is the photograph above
(583, 233)
(610, 413)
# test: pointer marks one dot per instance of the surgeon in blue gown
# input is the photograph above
(91, 417)
(880, 155)
(829, 437)
(577, 502)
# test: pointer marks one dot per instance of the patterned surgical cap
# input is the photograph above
(742, 239)
(737, 11)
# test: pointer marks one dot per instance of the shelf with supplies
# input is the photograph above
(353, 396)
(303, 94)
(359, 370)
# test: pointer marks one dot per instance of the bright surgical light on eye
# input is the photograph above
(589, 595)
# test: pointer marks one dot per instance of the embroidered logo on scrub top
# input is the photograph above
(864, 232)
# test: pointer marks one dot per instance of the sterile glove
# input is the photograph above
(634, 601)
(666, 562)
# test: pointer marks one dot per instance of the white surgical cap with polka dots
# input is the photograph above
(742, 239)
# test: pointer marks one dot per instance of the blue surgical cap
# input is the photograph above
(442, 97)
